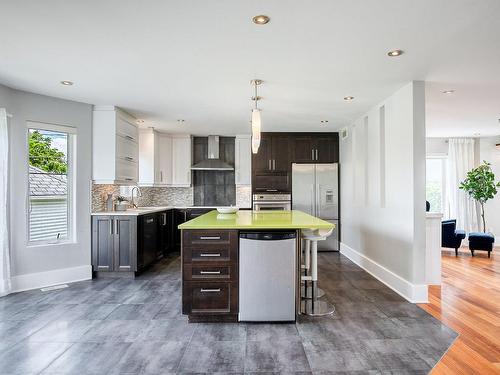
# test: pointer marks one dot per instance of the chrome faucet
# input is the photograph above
(139, 194)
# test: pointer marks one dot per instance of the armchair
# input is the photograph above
(451, 237)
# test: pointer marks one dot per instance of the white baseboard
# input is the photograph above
(54, 277)
(414, 293)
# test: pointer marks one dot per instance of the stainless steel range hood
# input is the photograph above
(212, 163)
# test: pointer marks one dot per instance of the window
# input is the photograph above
(436, 183)
(50, 190)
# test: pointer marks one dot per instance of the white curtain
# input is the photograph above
(460, 206)
(5, 283)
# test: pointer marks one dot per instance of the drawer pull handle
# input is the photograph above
(210, 255)
(129, 137)
(210, 290)
(210, 238)
(209, 272)
(129, 158)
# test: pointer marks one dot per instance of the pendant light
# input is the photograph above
(256, 118)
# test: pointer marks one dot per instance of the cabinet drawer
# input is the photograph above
(209, 254)
(126, 149)
(207, 272)
(126, 170)
(210, 298)
(126, 129)
(204, 237)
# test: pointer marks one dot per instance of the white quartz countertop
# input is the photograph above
(146, 210)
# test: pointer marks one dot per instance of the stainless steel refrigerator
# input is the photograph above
(315, 190)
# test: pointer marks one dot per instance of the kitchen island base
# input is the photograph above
(211, 260)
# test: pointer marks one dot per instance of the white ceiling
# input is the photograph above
(193, 59)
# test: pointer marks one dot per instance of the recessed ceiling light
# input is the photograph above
(180, 121)
(260, 19)
(448, 91)
(324, 121)
(395, 53)
(66, 83)
(476, 134)
(140, 121)
(348, 97)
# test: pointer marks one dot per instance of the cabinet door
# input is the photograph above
(181, 161)
(164, 232)
(148, 239)
(165, 159)
(327, 148)
(125, 243)
(262, 160)
(243, 160)
(303, 149)
(281, 155)
(102, 243)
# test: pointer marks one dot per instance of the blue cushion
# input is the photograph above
(481, 236)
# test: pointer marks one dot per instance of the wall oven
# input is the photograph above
(272, 202)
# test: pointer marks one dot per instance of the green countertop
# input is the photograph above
(247, 219)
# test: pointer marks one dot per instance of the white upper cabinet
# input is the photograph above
(164, 160)
(181, 160)
(243, 160)
(115, 142)
(155, 158)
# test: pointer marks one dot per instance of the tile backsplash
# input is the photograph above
(160, 196)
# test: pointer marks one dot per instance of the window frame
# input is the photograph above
(444, 178)
(70, 181)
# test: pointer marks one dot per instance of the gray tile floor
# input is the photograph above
(134, 326)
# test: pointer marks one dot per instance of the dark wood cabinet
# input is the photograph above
(327, 148)
(272, 165)
(102, 243)
(148, 240)
(125, 244)
(303, 149)
(165, 233)
(315, 148)
(114, 243)
(210, 275)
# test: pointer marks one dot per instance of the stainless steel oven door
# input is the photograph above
(272, 206)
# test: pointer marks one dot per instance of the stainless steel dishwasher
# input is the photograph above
(267, 276)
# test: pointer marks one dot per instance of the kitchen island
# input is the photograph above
(211, 258)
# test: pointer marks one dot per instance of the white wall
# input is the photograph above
(35, 266)
(383, 192)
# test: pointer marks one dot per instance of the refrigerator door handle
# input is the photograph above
(312, 154)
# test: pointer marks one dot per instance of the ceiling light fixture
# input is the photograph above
(395, 53)
(348, 97)
(140, 121)
(324, 121)
(66, 83)
(256, 118)
(260, 19)
(181, 121)
(448, 91)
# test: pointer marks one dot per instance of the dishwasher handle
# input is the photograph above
(268, 236)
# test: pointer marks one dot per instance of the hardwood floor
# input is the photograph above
(468, 301)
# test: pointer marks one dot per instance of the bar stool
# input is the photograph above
(313, 306)
(305, 290)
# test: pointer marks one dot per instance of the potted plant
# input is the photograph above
(121, 203)
(481, 186)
